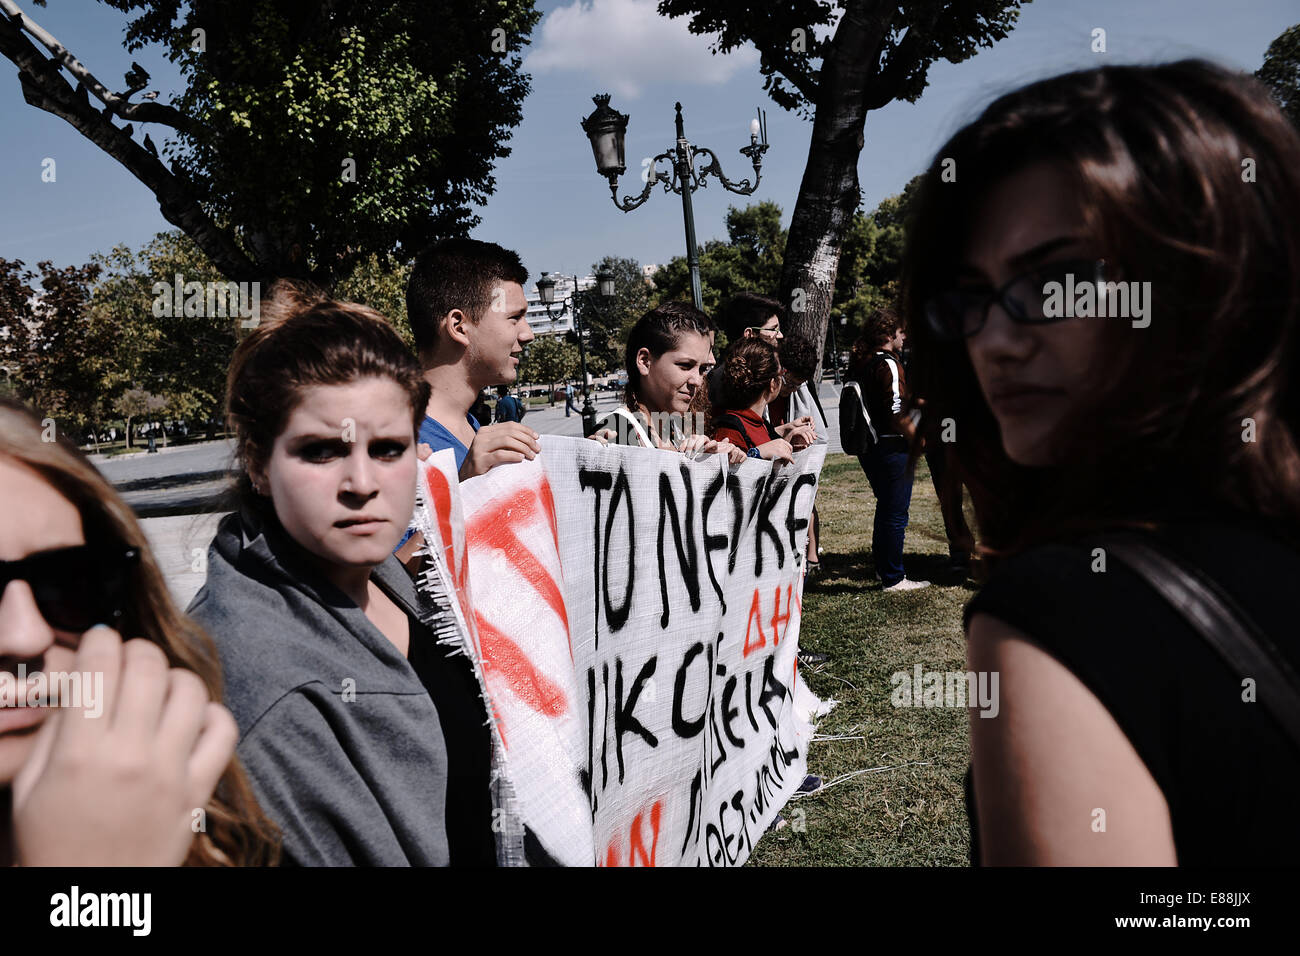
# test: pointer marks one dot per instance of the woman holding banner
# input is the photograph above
(665, 354)
(76, 575)
(362, 726)
(1132, 457)
(751, 378)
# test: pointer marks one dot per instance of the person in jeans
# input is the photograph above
(877, 365)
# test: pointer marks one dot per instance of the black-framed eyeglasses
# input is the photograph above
(76, 588)
(960, 313)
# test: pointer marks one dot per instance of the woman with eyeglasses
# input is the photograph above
(1134, 468)
(364, 731)
(134, 765)
(666, 350)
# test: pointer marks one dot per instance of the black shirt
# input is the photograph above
(1228, 771)
(450, 681)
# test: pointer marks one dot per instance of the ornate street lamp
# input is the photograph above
(546, 292)
(606, 128)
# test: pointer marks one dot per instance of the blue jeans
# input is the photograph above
(891, 483)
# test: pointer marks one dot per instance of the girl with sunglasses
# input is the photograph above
(142, 774)
(1115, 461)
(366, 738)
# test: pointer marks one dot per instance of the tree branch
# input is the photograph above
(800, 79)
(45, 88)
(118, 105)
(903, 58)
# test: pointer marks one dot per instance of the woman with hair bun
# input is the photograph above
(76, 577)
(366, 738)
(1106, 310)
(751, 378)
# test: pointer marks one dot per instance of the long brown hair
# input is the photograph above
(1189, 177)
(238, 832)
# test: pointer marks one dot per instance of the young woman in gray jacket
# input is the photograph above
(366, 737)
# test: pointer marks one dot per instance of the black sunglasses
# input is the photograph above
(76, 588)
(960, 313)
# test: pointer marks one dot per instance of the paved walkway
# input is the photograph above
(183, 496)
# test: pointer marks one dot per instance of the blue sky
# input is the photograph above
(550, 204)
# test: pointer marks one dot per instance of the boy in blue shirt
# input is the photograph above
(466, 306)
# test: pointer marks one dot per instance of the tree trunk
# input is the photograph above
(128, 433)
(829, 194)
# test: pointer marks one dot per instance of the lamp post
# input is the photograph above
(835, 351)
(546, 292)
(606, 128)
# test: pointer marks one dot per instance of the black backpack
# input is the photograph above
(857, 434)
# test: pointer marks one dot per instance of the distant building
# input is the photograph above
(560, 319)
(648, 273)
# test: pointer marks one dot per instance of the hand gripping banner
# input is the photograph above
(634, 615)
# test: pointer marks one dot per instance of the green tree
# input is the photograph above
(310, 133)
(748, 260)
(383, 288)
(181, 358)
(871, 262)
(135, 403)
(1281, 72)
(53, 340)
(550, 359)
(871, 53)
(608, 322)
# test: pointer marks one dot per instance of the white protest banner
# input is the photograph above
(636, 617)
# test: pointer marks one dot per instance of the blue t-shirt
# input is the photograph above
(437, 437)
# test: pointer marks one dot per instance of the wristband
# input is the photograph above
(753, 453)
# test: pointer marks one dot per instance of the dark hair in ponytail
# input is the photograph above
(659, 330)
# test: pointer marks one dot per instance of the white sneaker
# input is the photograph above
(907, 585)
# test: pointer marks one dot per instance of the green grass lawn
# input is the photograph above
(913, 813)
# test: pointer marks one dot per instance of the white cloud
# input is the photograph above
(626, 46)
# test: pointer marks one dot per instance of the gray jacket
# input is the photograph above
(339, 737)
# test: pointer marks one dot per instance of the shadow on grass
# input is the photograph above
(856, 572)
